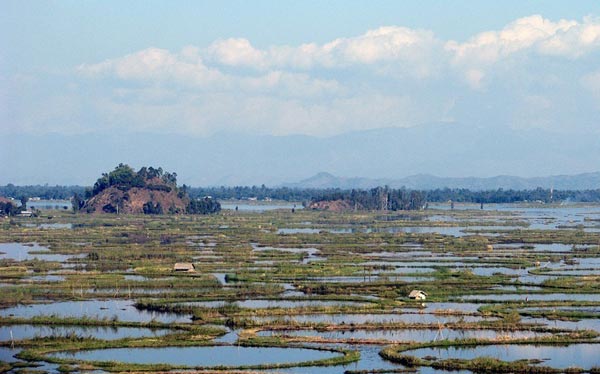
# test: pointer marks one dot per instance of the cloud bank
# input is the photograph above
(532, 73)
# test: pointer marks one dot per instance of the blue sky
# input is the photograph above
(306, 67)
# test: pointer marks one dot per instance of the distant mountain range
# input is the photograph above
(443, 149)
(428, 182)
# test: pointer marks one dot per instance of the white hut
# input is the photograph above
(184, 267)
(26, 213)
(417, 295)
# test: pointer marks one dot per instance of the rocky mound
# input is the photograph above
(136, 201)
(332, 205)
(4, 200)
(8, 207)
(148, 191)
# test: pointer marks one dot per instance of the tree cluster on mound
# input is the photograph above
(7, 208)
(125, 178)
(149, 191)
(380, 198)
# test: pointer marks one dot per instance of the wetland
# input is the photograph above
(277, 287)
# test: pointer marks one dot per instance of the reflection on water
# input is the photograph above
(201, 356)
(262, 304)
(123, 310)
(18, 332)
(7, 354)
(582, 355)
(536, 297)
(423, 318)
(49, 204)
(259, 207)
(417, 335)
(22, 252)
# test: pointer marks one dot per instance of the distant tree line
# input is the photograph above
(260, 193)
(438, 195)
(501, 196)
(45, 192)
(380, 198)
(124, 178)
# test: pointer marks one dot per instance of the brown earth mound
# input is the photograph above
(334, 206)
(6, 201)
(133, 200)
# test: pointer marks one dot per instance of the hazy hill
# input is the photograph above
(448, 150)
(427, 182)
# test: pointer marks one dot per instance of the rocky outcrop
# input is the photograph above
(136, 201)
(149, 191)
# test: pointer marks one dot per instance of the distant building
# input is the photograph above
(417, 295)
(184, 267)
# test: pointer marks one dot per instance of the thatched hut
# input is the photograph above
(184, 267)
(417, 295)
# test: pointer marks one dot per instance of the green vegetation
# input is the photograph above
(9, 209)
(125, 178)
(203, 206)
(378, 199)
(334, 278)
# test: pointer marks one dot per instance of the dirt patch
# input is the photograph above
(334, 206)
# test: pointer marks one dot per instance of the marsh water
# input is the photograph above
(582, 355)
(18, 332)
(415, 335)
(320, 279)
(23, 252)
(202, 356)
(120, 310)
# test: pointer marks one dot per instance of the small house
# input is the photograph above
(417, 295)
(184, 267)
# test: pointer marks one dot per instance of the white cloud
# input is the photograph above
(383, 45)
(524, 33)
(525, 37)
(187, 70)
(418, 50)
(386, 50)
(574, 41)
(236, 52)
(158, 65)
(388, 76)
